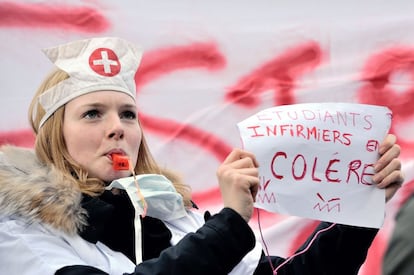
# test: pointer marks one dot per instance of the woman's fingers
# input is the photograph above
(387, 143)
(388, 156)
(388, 174)
(239, 154)
(239, 182)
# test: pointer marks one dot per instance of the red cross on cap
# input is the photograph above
(105, 62)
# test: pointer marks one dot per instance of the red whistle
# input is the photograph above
(120, 162)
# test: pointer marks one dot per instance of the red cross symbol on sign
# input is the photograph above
(105, 62)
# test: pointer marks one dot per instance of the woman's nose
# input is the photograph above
(116, 130)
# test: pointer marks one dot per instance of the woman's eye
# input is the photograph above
(91, 114)
(129, 115)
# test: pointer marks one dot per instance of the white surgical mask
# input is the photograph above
(163, 201)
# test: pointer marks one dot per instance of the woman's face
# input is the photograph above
(96, 126)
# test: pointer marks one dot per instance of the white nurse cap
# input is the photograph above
(95, 64)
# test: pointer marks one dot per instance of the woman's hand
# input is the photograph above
(238, 178)
(388, 174)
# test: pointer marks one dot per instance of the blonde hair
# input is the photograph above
(50, 148)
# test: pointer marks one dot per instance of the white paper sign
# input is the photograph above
(316, 160)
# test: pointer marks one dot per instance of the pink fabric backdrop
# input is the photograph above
(210, 64)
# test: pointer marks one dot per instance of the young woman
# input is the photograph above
(90, 199)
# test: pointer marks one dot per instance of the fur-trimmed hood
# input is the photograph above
(38, 193)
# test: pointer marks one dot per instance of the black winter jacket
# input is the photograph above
(217, 246)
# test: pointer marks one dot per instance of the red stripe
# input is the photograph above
(48, 16)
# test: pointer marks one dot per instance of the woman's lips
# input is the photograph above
(113, 152)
